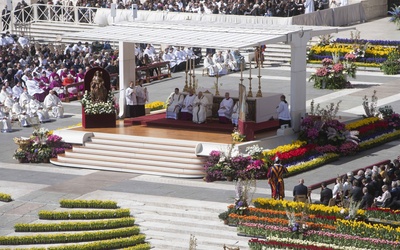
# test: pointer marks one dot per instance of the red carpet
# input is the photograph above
(212, 125)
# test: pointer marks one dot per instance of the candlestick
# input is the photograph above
(186, 88)
(259, 93)
(250, 94)
(186, 63)
(194, 66)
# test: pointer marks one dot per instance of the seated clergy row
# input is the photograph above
(220, 63)
(28, 110)
(194, 107)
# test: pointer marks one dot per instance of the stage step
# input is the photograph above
(136, 154)
(171, 227)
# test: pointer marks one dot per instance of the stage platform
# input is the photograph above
(211, 125)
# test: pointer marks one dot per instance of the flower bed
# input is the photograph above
(366, 51)
(313, 224)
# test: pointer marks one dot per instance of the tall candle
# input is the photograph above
(186, 65)
(194, 65)
(250, 70)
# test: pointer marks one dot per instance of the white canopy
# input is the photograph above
(200, 34)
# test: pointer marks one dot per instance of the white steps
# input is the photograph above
(171, 227)
(135, 154)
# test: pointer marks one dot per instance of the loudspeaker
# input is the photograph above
(113, 10)
(134, 10)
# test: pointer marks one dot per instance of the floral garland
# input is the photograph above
(91, 108)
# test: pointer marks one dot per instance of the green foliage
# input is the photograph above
(135, 242)
(5, 197)
(80, 214)
(392, 65)
(88, 204)
(75, 226)
(67, 238)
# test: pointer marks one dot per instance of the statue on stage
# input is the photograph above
(98, 90)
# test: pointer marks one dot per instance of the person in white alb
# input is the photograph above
(225, 109)
(17, 90)
(131, 101)
(200, 104)
(20, 113)
(187, 108)
(23, 41)
(209, 65)
(174, 104)
(53, 103)
(283, 112)
(218, 60)
(230, 61)
(5, 122)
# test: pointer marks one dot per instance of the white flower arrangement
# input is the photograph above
(254, 150)
(91, 108)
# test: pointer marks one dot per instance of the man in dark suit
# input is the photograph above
(367, 199)
(326, 194)
(300, 189)
(356, 193)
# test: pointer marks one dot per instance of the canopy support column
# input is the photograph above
(127, 72)
(298, 77)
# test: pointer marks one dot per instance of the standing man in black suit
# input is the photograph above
(300, 189)
(326, 194)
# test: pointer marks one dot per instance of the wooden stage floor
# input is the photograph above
(178, 134)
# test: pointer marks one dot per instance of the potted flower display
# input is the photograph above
(333, 73)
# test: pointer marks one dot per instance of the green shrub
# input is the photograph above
(75, 226)
(135, 242)
(392, 65)
(70, 237)
(5, 197)
(88, 204)
(81, 214)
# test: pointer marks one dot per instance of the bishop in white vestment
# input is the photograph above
(200, 104)
(174, 104)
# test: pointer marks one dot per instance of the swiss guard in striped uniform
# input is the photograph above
(275, 179)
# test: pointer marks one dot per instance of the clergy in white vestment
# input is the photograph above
(17, 90)
(209, 65)
(308, 6)
(37, 112)
(168, 57)
(218, 60)
(230, 61)
(131, 101)
(8, 103)
(20, 113)
(53, 104)
(225, 109)
(24, 99)
(3, 94)
(200, 104)
(187, 108)
(33, 86)
(5, 122)
(174, 104)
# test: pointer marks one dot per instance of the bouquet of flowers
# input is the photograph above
(92, 108)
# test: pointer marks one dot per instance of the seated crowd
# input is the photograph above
(34, 77)
(281, 8)
(376, 187)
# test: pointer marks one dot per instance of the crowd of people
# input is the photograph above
(34, 77)
(282, 8)
(51, 9)
(378, 186)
